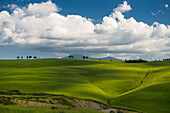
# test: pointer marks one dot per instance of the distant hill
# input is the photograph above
(110, 58)
(78, 56)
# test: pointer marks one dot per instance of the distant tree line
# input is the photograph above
(28, 57)
(71, 56)
(84, 57)
(135, 61)
(166, 59)
(18, 57)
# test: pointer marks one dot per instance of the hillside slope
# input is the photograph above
(153, 96)
(110, 82)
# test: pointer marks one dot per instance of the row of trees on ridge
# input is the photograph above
(28, 57)
(135, 61)
(84, 57)
(166, 59)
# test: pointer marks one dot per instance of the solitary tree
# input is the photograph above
(30, 57)
(35, 57)
(84, 57)
(18, 57)
(27, 57)
(22, 57)
(87, 57)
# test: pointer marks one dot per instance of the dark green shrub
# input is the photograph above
(53, 107)
(6, 101)
(120, 111)
(61, 112)
(112, 112)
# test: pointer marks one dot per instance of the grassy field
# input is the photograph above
(22, 109)
(110, 82)
(153, 96)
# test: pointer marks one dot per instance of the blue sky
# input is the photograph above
(97, 9)
(145, 11)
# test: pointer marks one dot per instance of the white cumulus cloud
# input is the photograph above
(42, 28)
(166, 5)
(123, 7)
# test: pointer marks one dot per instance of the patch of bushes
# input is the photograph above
(135, 61)
(120, 111)
(112, 112)
(6, 101)
(53, 107)
(166, 59)
(64, 102)
(61, 112)
(41, 101)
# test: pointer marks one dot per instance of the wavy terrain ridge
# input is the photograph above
(143, 87)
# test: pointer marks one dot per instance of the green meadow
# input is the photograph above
(22, 109)
(114, 83)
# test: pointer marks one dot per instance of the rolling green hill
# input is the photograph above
(138, 86)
